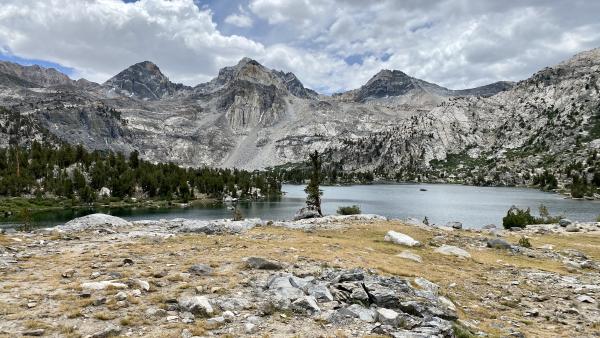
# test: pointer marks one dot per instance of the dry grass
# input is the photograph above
(358, 246)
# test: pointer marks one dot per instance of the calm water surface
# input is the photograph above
(441, 203)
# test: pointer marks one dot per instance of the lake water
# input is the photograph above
(441, 203)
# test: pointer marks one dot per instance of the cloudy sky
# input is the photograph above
(331, 45)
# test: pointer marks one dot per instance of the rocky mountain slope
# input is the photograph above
(548, 121)
(253, 117)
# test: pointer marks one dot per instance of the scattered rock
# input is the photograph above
(400, 238)
(572, 228)
(489, 226)
(34, 333)
(198, 305)
(68, 273)
(200, 270)
(455, 225)
(228, 316)
(410, 256)
(586, 299)
(109, 331)
(250, 328)
(144, 285)
(262, 263)
(121, 296)
(103, 285)
(451, 250)
(127, 262)
(156, 312)
(496, 243)
(564, 222)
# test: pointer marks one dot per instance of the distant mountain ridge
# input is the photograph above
(253, 117)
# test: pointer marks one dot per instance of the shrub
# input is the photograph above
(524, 242)
(516, 217)
(349, 210)
(598, 218)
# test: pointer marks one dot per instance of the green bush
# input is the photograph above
(349, 210)
(524, 242)
(516, 217)
(598, 218)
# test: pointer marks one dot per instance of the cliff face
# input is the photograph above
(252, 117)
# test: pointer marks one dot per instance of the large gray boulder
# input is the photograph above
(450, 250)
(94, 221)
(307, 212)
(496, 243)
(400, 238)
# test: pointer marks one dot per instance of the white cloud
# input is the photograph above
(454, 43)
(241, 19)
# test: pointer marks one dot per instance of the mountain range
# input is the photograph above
(253, 117)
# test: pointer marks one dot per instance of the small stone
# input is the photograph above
(172, 319)
(262, 263)
(215, 322)
(200, 270)
(187, 318)
(451, 250)
(250, 328)
(410, 256)
(109, 331)
(531, 313)
(99, 301)
(121, 296)
(34, 333)
(85, 294)
(155, 312)
(127, 262)
(145, 286)
(103, 285)
(31, 304)
(586, 299)
(95, 275)
(198, 305)
(68, 273)
(136, 293)
(455, 225)
(228, 316)
(489, 226)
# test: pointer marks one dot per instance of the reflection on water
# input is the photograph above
(441, 203)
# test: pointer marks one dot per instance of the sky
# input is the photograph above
(331, 45)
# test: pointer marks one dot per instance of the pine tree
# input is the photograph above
(312, 190)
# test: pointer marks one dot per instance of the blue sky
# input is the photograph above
(331, 45)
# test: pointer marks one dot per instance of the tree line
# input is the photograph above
(45, 170)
